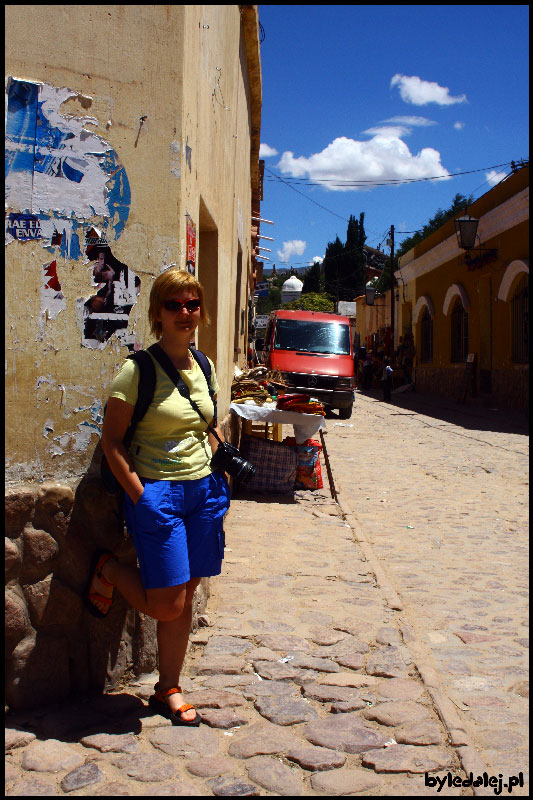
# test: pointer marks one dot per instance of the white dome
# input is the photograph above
(292, 284)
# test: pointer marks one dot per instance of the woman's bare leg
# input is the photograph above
(127, 580)
(171, 606)
(172, 641)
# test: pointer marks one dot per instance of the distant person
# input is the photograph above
(386, 379)
(367, 371)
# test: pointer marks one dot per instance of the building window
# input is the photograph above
(520, 322)
(459, 333)
(426, 337)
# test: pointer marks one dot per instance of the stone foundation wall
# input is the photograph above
(54, 645)
(439, 380)
(509, 387)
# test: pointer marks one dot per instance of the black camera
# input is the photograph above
(228, 459)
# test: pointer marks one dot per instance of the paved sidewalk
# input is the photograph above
(302, 677)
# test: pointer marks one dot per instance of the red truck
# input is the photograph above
(313, 351)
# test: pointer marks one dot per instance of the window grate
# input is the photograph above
(459, 334)
(426, 331)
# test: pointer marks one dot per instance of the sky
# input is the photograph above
(366, 94)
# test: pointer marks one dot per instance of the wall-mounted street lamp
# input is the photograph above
(466, 231)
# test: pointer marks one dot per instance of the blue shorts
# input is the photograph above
(176, 527)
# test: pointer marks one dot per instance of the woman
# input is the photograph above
(174, 503)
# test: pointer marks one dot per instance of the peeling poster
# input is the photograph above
(58, 175)
(107, 311)
(52, 298)
(191, 245)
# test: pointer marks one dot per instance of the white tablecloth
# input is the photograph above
(305, 425)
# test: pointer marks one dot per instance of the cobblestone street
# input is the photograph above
(349, 648)
(441, 493)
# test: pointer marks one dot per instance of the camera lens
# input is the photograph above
(228, 459)
(245, 470)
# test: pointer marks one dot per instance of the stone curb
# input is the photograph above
(393, 601)
(459, 737)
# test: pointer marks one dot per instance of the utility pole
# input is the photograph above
(391, 291)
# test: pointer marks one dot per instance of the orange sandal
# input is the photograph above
(158, 704)
(98, 561)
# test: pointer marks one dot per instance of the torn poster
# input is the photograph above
(191, 245)
(52, 298)
(107, 312)
(57, 173)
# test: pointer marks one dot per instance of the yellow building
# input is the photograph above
(133, 130)
(132, 146)
(473, 304)
(372, 322)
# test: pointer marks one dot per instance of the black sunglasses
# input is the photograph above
(177, 305)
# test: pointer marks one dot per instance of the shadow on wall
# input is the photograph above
(54, 646)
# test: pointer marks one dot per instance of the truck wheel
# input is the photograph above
(346, 413)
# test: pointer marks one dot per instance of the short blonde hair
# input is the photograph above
(168, 283)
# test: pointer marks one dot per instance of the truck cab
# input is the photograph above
(313, 351)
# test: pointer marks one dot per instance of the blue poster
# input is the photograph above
(58, 175)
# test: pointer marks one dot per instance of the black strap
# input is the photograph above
(203, 362)
(145, 394)
(179, 383)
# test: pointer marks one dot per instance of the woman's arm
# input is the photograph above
(117, 418)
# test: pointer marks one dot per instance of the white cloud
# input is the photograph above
(418, 92)
(458, 126)
(494, 177)
(393, 131)
(293, 248)
(265, 151)
(317, 260)
(398, 126)
(411, 120)
(384, 157)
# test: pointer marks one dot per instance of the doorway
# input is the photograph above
(208, 277)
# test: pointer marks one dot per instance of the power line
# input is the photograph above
(377, 182)
(513, 164)
(308, 198)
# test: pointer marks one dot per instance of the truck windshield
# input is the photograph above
(312, 337)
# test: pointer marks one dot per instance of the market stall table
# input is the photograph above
(305, 425)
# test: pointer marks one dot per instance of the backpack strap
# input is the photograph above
(204, 364)
(147, 381)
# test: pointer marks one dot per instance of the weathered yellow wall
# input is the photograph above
(216, 126)
(481, 286)
(436, 264)
(163, 64)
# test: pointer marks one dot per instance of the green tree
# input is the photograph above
(332, 267)
(354, 261)
(267, 304)
(312, 280)
(312, 302)
(344, 264)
